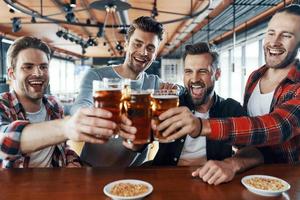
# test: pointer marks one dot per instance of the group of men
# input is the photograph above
(204, 128)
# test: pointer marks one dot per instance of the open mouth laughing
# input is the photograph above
(197, 89)
(275, 51)
(140, 60)
(37, 84)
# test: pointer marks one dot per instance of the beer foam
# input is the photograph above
(108, 89)
(140, 93)
(165, 96)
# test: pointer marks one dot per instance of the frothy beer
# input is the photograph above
(160, 104)
(138, 108)
(109, 99)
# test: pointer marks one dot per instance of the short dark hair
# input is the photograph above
(147, 24)
(201, 48)
(293, 9)
(25, 43)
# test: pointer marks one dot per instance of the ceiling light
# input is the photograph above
(154, 12)
(65, 36)
(16, 24)
(88, 21)
(123, 31)
(73, 3)
(59, 33)
(119, 47)
(90, 41)
(11, 10)
(70, 17)
(33, 20)
(101, 31)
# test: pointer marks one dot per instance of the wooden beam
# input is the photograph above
(218, 10)
(182, 25)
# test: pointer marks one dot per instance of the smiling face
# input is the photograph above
(282, 40)
(141, 50)
(30, 75)
(200, 77)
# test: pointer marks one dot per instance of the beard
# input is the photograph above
(289, 58)
(204, 99)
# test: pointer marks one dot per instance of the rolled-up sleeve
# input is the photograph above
(10, 135)
(282, 124)
(85, 96)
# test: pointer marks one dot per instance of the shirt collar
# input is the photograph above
(293, 74)
(18, 106)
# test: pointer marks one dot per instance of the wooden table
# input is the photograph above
(168, 182)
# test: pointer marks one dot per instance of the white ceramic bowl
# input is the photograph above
(107, 188)
(265, 192)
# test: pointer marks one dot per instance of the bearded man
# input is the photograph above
(272, 99)
(201, 70)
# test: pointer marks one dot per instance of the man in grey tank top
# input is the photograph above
(142, 43)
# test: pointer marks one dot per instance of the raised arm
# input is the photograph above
(85, 96)
(87, 124)
(279, 126)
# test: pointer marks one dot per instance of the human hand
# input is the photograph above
(89, 125)
(127, 132)
(215, 172)
(177, 122)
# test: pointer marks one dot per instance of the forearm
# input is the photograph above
(245, 158)
(40, 135)
(85, 96)
(274, 128)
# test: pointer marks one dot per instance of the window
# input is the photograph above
(252, 57)
(225, 73)
(172, 70)
(236, 74)
(62, 76)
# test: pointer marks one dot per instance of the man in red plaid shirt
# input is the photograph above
(272, 99)
(32, 133)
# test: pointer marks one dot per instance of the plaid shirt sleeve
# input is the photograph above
(282, 124)
(72, 157)
(10, 134)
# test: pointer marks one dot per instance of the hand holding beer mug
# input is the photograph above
(108, 95)
(162, 100)
(138, 109)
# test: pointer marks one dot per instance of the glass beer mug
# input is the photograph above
(138, 109)
(107, 94)
(162, 100)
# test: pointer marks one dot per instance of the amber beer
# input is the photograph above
(138, 108)
(108, 95)
(161, 102)
(109, 100)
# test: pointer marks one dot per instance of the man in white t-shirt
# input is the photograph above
(272, 97)
(200, 73)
